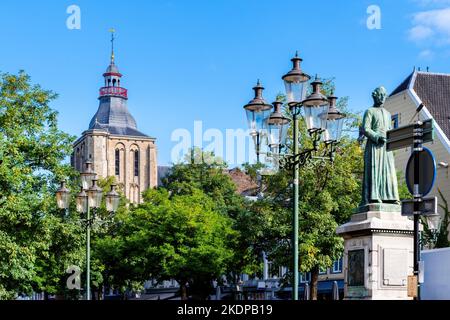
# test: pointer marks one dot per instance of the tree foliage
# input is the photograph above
(37, 243)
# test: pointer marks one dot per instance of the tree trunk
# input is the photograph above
(183, 288)
(314, 281)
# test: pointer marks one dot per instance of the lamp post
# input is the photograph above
(257, 111)
(90, 197)
(323, 121)
(433, 222)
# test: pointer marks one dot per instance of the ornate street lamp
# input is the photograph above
(82, 201)
(296, 82)
(316, 107)
(257, 110)
(63, 196)
(334, 122)
(87, 176)
(95, 194)
(90, 197)
(433, 221)
(323, 121)
(112, 199)
(277, 126)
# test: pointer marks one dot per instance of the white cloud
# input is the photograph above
(427, 3)
(426, 54)
(419, 33)
(432, 25)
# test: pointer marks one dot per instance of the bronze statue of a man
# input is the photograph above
(380, 178)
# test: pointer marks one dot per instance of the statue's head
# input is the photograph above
(379, 96)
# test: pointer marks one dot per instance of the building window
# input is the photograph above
(117, 163)
(323, 271)
(136, 163)
(83, 158)
(305, 277)
(395, 121)
(337, 266)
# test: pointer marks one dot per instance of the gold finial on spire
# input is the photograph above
(113, 31)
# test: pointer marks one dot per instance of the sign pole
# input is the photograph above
(420, 180)
(418, 135)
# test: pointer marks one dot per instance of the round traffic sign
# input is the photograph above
(427, 172)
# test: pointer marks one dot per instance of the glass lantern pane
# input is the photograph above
(115, 203)
(59, 201)
(82, 204)
(86, 180)
(62, 200)
(261, 117)
(334, 130)
(295, 90)
(109, 204)
(95, 198)
(283, 134)
(99, 196)
(112, 201)
(251, 119)
(277, 135)
(314, 117)
(256, 120)
(433, 221)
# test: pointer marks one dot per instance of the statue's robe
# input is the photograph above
(380, 177)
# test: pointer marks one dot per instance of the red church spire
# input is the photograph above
(113, 77)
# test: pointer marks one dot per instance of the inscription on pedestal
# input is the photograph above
(356, 268)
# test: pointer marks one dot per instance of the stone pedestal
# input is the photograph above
(378, 253)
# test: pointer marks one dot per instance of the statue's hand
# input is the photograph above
(382, 140)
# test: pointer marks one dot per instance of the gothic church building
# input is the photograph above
(114, 144)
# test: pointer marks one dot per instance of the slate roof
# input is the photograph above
(434, 91)
(244, 183)
(403, 86)
(113, 116)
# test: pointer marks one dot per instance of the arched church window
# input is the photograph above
(136, 163)
(117, 162)
(114, 82)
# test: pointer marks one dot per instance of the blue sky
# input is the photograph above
(190, 60)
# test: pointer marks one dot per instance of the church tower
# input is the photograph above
(113, 143)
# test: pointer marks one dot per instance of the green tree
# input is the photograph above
(204, 171)
(37, 243)
(181, 237)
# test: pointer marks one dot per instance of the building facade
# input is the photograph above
(423, 96)
(113, 143)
